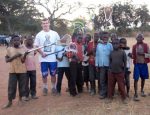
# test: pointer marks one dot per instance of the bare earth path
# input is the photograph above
(66, 105)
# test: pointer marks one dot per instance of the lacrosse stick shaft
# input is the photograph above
(34, 49)
(56, 52)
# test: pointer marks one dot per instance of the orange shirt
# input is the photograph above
(16, 66)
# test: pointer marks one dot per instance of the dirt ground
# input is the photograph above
(67, 105)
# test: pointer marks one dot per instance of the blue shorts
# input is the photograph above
(140, 70)
(48, 67)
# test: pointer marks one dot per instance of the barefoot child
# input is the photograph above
(17, 72)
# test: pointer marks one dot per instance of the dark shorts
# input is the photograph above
(48, 67)
(140, 70)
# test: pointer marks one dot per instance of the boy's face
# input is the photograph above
(45, 25)
(123, 43)
(16, 41)
(29, 42)
(96, 37)
(116, 44)
(79, 40)
(139, 39)
(105, 39)
(87, 39)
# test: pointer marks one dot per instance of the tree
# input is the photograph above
(61, 26)
(122, 17)
(142, 17)
(99, 19)
(55, 8)
(18, 15)
(102, 19)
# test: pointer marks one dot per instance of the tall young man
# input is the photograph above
(48, 62)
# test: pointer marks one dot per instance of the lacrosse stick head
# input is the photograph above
(72, 47)
(108, 14)
(65, 40)
(71, 50)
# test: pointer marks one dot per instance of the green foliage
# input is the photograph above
(61, 27)
(125, 18)
(18, 16)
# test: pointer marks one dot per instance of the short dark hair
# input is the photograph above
(45, 19)
(88, 36)
(140, 35)
(122, 39)
(116, 40)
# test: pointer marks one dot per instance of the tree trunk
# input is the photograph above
(8, 25)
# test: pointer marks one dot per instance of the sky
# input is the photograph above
(82, 12)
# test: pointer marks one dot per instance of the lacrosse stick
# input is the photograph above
(65, 40)
(56, 52)
(108, 15)
(70, 48)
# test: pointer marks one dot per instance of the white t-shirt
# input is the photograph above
(43, 38)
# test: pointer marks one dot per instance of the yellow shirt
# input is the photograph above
(16, 66)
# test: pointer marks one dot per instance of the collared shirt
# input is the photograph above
(102, 54)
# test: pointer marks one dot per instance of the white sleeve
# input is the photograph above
(57, 37)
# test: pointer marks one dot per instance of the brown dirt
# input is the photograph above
(66, 105)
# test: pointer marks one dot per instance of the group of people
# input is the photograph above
(99, 59)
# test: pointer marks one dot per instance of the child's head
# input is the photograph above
(113, 36)
(105, 37)
(16, 41)
(29, 41)
(116, 44)
(96, 36)
(139, 38)
(79, 39)
(123, 42)
(88, 38)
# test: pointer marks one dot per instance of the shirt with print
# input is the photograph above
(44, 38)
(16, 65)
